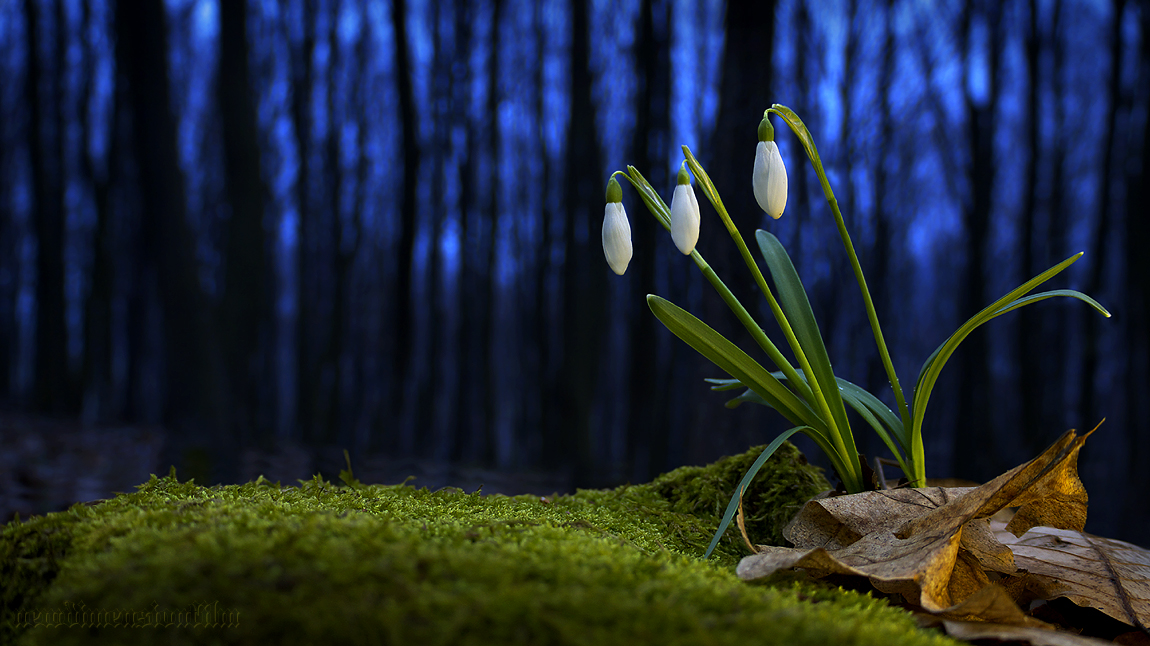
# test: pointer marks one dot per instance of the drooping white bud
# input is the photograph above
(616, 230)
(770, 178)
(684, 214)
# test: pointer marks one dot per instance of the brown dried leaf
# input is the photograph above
(940, 549)
(927, 544)
(972, 630)
(1109, 575)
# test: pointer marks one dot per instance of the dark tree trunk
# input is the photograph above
(647, 419)
(541, 319)
(745, 91)
(487, 320)
(307, 379)
(1051, 380)
(975, 453)
(1089, 407)
(51, 390)
(426, 443)
(877, 380)
(329, 362)
(1136, 235)
(245, 306)
(470, 442)
(450, 410)
(1030, 344)
(355, 435)
(405, 254)
(97, 364)
(585, 271)
(192, 395)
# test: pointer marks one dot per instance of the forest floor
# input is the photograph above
(320, 563)
(48, 464)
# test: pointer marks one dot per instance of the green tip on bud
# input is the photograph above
(766, 130)
(614, 191)
(684, 177)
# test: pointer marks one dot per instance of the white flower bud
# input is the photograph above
(684, 214)
(616, 230)
(770, 179)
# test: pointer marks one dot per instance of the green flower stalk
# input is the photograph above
(811, 397)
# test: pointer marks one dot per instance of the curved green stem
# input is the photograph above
(658, 208)
(843, 440)
(918, 478)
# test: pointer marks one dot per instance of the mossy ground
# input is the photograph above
(262, 563)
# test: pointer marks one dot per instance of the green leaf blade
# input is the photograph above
(732, 360)
(797, 307)
(1013, 300)
(733, 506)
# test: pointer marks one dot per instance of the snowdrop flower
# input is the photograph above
(770, 179)
(616, 230)
(684, 213)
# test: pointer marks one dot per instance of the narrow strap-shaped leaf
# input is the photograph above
(758, 464)
(797, 307)
(724, 384)
(880, 428)
(732, 359)
(747, 396)
(1011, 301)
(986, 314)
(874, 412)
(855, 396)
(1069, 293)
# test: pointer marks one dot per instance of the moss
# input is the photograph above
(264, 563)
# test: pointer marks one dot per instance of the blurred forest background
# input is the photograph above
(241, 237)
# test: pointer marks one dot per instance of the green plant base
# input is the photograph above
(262, 563)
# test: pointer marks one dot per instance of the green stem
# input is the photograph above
(843, 440)
(918, 478)
(658, 208)
(844, 461)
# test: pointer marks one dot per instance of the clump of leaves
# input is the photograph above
(938, 549)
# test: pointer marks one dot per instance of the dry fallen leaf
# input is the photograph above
(1102, 573)
(937, 549)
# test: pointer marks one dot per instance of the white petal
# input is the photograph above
(616, 237)
(684, 218)
(770, 179)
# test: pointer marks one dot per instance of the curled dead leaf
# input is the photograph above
(936, 546)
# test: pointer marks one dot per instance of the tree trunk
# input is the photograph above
(1088, 408)
(192, 394)
(51, 390)
(307, 381)
(97, 364)
(244, 308)
(585, 272)
(975, 451)
(1136, 235)
(405, 255)
(647, 412)
(1029, 343)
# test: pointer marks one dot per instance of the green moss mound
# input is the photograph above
(263, 563)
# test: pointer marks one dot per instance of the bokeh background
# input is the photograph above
(241, 237)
